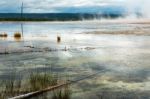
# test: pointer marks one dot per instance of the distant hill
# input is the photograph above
(54, 16)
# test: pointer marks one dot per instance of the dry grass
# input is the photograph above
(4, 35)
(17, 35)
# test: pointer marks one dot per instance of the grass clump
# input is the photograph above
(10, 87)
(41, 81)
(36, 82)
(5, 35)
(63, 93)
(17, 35)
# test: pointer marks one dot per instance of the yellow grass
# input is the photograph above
(17, 35)
(4, 35)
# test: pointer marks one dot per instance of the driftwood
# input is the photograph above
(36, 93)
(31, 94)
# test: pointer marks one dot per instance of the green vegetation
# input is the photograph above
(64, 93)
(41, 81)
(35, 19)
(54, 16)
(36, 82)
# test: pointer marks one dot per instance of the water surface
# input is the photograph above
(121, 61)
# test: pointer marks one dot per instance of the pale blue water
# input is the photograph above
(61, 27)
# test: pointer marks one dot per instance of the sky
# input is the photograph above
(76, 6)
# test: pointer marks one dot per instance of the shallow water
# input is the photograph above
(121, 61)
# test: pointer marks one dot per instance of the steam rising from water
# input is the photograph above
(138, 8)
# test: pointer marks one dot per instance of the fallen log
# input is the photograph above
(36, 93)
(31, 94)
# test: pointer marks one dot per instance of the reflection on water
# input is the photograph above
(17, 39)
(122, 60)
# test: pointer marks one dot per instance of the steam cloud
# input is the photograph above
(138, 8)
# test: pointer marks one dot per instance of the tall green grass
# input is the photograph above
(63, 93)
(35, 82)
(41, 81)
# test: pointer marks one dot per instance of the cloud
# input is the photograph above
(132, 7)
(53, 5)
(138, 6)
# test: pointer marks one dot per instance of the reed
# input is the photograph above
(37, 81)
(41, 81)
(14, 86)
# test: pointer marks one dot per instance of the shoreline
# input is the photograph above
(115, 21)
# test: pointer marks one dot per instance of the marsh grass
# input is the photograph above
(41, 81)
(10, 88)
(63, 93)
(14, 86)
